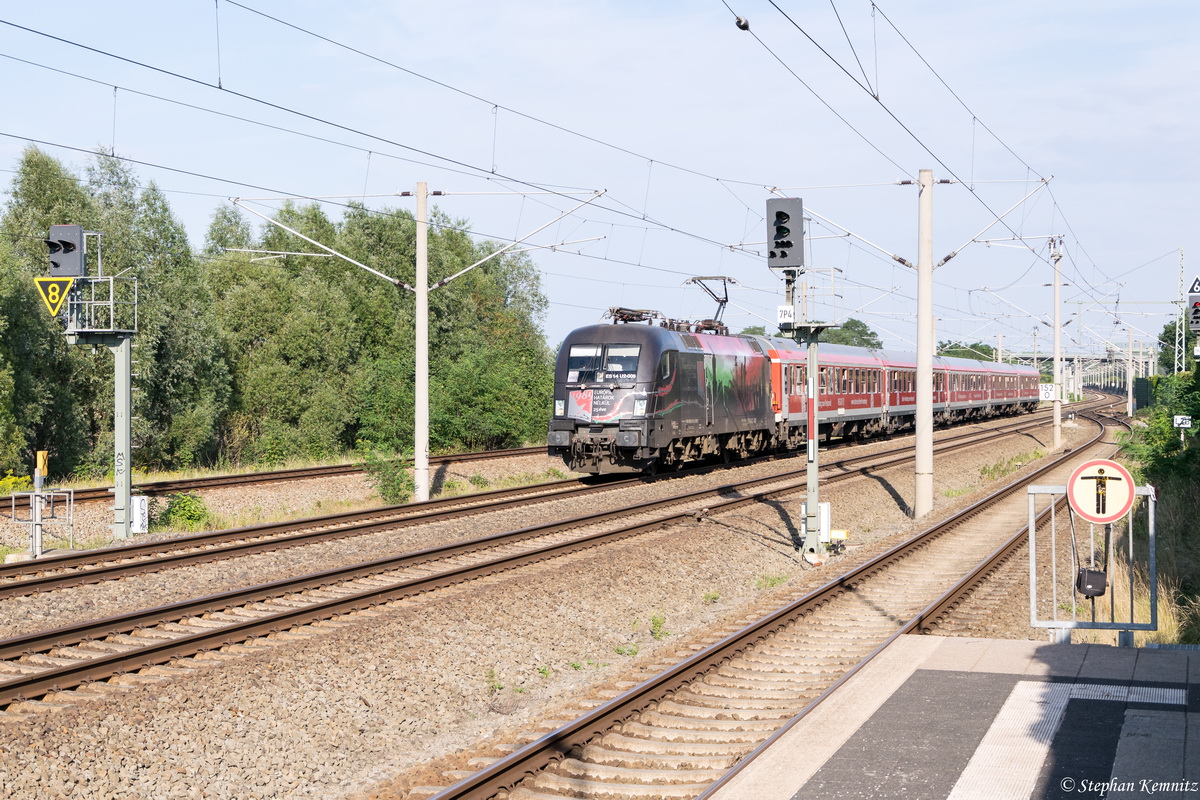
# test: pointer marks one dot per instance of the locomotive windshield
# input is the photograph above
(598, 363)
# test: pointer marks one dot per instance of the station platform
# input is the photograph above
(974, 719)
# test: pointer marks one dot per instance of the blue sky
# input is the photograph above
(686, 122)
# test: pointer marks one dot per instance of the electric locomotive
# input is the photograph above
(630, 397)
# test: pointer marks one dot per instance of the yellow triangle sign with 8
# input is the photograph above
(54, 292)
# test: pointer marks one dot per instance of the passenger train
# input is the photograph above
(636, 398)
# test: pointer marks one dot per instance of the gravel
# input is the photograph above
(337, 713)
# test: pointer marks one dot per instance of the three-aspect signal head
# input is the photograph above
(67, 251)
(785, 232)
(1194, 312)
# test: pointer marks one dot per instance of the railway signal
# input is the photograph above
(785, 232)
(67, 251)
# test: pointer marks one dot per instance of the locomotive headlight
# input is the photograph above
(639, 407)
(560, 408)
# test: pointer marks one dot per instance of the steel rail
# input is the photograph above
(930, 616)
(56, 679)
(269, 536)
(507, 772)
(157, 488)
(115, 563)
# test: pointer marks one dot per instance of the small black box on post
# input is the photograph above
(1091, 582)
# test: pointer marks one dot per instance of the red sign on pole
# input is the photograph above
(1101, 491)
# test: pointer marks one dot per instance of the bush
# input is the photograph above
(14, 483)
(183, 510)
(390, 475)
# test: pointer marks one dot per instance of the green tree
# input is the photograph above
(978, 351)
(753, 330)
(852, 332)
(229, 228)
(181, 382)
(1166, 348)
(50, 389)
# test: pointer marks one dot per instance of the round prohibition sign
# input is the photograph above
(1101, 491)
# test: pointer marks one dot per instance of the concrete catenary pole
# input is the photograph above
(421, 381)
(1056, 438)
(122, 433)
(1129, 376)
(923, 502)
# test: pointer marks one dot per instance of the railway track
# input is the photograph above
(44, 665)
(160, 488)
(60, 572)
(684, 731)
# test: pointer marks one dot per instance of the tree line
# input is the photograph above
(248, 359)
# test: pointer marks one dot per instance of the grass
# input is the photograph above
(1178, 550)
(257, 515)
(141, 475)
(711, 598)
(1178, 554)
(764, 582)
(453, 488)
(1003, 468)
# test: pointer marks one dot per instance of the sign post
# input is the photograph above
(1100, 492)
(1184, 424)
(101, 310)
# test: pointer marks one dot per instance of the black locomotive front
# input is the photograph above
(631, 398)
(604, 385)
